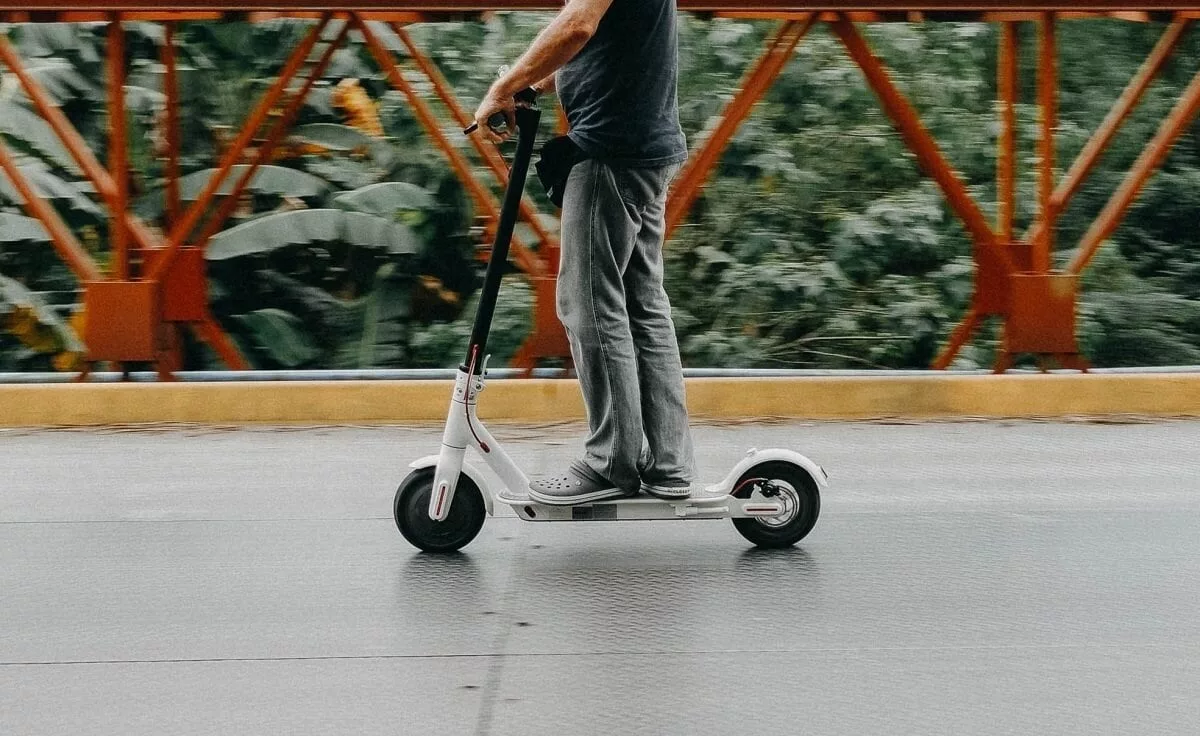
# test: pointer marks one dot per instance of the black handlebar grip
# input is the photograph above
(498, 121)
(495, 122)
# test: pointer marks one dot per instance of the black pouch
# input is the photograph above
(559, 156)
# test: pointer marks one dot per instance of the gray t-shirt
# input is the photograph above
(619, 92)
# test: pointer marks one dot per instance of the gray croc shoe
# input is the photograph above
(668, 490)
(571, 488)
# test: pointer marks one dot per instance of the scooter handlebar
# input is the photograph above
(497, 122)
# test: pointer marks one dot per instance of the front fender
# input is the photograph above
(469, 470)
(757, 457)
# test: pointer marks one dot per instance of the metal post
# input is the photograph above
(1006, 87)
(1043, 247)
(171, 123)
(118, 159)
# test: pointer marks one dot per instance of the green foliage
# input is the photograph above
(818, 178)
(26, 131)
(31, 332)
(442, 344)
(817, 242)
(279, 338)
(271, 182)
(281, 230)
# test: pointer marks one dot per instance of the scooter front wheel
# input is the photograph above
(411, 509)
(790, 485)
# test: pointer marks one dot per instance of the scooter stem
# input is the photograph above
(527, 127)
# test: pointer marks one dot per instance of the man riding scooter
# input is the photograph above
(614, 66)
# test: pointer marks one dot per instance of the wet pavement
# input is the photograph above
(964, 578)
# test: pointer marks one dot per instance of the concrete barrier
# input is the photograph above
(937, 395)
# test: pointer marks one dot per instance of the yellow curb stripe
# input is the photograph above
(388, 402)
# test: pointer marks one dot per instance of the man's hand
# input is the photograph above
(497, 101)
(557, 44)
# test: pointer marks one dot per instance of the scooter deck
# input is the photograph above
(641, 508)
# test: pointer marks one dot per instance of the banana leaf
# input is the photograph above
(63, 81)
(29, 131)
(49, 186)
(383, 318)
(527, 234)
(386, 36)
(279, 337)
(344, 172)
(308, 227)
(77, 40)
(396, 200)
(335, 137)
(378, 153)
(277, 180)
(18, 228)
(24, 315)
(149, 75)
(345, 139)
(143, 100)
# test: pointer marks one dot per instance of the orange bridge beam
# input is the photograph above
(754, 85)
(72, 142)
(278, 130)
(703, 6)
(1091, 152)
(523, 256)
(71, 250)
(489, 153)
(919, 141)
(1152, 156)
(181, 230)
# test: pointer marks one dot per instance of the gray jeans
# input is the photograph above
(614, 307)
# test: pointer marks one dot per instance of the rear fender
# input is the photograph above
(758, 457)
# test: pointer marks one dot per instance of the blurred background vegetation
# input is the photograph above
(817, 243)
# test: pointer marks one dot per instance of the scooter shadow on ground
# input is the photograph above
(796, 562)
(449, 572)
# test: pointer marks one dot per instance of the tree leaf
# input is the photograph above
(18, 228)
(48, 185)
(308, 227)
(25, 127)
(389, 199)
(277, 180)
(280, 337)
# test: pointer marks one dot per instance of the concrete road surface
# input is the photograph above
(964, 578)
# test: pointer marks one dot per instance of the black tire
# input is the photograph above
(801, 490)
(411, 509)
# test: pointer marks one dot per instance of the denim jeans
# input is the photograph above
(618, 319)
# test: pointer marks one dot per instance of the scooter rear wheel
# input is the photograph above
(411, 509)
(794, 488)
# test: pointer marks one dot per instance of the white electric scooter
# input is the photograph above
(772, 496)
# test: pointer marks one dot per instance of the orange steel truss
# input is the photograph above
(155, 285)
